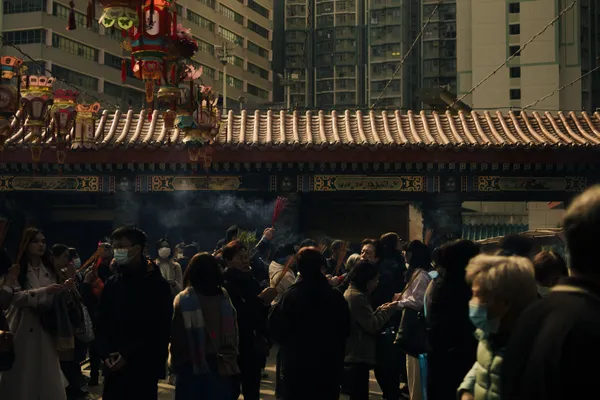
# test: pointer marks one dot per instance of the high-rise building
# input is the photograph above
(490, 31)
(392, 28)
(439, 45)
(350, 53)
(90, 58)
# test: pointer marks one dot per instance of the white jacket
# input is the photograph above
(275, 271)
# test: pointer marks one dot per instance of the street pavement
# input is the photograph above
(167, 392)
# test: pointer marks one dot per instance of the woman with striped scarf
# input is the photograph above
(204, 334)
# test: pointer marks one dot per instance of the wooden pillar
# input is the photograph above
(442, 218)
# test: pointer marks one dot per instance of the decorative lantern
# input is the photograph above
(120, 14)
(36, 100)
(63, 113)
(9, 94)
(182, 48)
(200, 122)
(85, 124)
(150, 44)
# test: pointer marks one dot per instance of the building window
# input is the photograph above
(514, 29)
(256, 49)
(515, 94)
(200, 21)
(73, 47)
(257, 8)
(179, 9)
(127, 97)
(205, 46)
(23, 6)
(114, 33)
(37, 67)
(262, 31)
(232, 15)
(232, 81)
(515, 50)
(230, 36)
(62, 12)
(258, 92)
(515, 72)
(75, 78)
(206, 70)
(514, 8)
(256, 70)
(24, 37)
(208, 3)
(235, 60)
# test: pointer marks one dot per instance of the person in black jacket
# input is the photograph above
(249, 302)
(389, 366)
(553, 350)
(450, 332)
(312, 324)
(133, 321)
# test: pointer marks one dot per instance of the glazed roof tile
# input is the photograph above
(356, 129)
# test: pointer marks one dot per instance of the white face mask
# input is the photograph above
(164, 252)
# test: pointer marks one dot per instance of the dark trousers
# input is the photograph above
(129, 385)
(357, 378)
(72, 371)
(94, 361)
(248, 382)
(388, 366)
(279, 374)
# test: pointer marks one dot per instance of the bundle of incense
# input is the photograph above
(428, 236)
(16, 268)
(280, 204)
(89, 261)
(340, 260)
(284, 271)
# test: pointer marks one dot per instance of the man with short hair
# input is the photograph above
(134, 319)
(553, 350)
(335, 264)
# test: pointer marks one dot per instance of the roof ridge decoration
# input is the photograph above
(315, 130)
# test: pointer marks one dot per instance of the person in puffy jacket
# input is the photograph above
(503, 287)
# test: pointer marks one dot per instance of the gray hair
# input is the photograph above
(351, 261)
(509, 278)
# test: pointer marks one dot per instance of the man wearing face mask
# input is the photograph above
(133, 325)
(169, 268)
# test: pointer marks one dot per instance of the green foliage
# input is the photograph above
(248, 238)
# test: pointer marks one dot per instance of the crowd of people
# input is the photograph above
(432, 324)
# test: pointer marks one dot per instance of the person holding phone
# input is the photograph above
(133, 321)
(33, 282)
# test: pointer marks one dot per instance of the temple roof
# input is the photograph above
(356, 129)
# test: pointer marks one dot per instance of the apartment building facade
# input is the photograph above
(438, 45)
(342, 53)
(90, 58)
(490, 31)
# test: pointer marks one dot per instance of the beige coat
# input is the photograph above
(36, 373)
(283, 283)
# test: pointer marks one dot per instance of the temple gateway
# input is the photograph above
(339, 171)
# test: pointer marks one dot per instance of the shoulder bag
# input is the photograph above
(412, 332)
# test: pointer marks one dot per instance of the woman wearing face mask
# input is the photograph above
(33, 282)
(366, 325)
(169, 268)
(63, 261)
(502, 287)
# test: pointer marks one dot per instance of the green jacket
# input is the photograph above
(483, 380)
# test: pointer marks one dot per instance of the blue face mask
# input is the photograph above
(479, 317)
(122, 256)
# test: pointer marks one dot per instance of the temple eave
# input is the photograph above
(331, 154)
